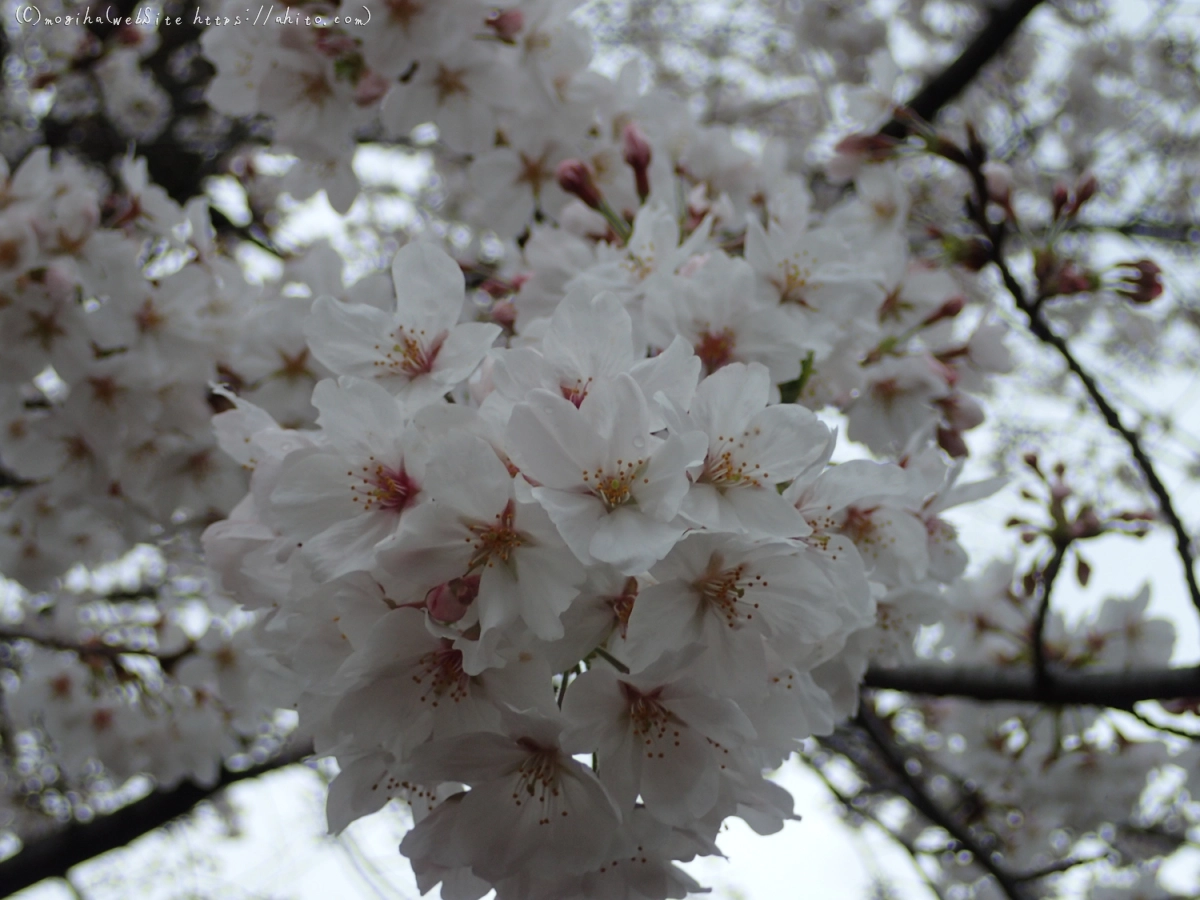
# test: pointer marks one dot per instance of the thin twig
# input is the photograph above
(1040, 329)
(1158, 726)
(866, 813)
(54, 855)
(1041, 675)
(915, 794)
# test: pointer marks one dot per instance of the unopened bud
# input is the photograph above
(1059, 199)
(504, 314)
(851, 152)
(999, 180)
(575, 177)
(1085, 189)
(637, 156)
(951, 440)
(972, 254)
(506, 24)
(334, 45)
(449, 602)
(1144, 284)
(370, 88)
(1031, 460)
(947, 310)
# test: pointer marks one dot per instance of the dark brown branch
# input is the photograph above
(1037, 640)
(951, 81)
(914, 792)
(1118, 690)
(1040, 328)
(55, 855)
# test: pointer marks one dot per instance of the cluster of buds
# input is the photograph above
(1058, 277)
(1067, 202)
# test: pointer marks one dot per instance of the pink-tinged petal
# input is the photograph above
(348, 546)
(314, 492)
(665, 617)
(463, 350)
(631, 541)
(360, 788)
(617, 409)
(590, 336)
(785, 440)
(674, 372)
(429, 549)
(762, 512)
(499, 597)
(664, 483)
(576, 516)
(726, 399)
(360, 418)
(680, 780)
(549, 580)
(346, 337)
(717, 718)
(465, 474)
(430, 288)
(552, 443)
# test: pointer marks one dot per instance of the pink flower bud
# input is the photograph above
(852, 151)
(449, 602)
(333, 45)
(575, 177)
(370, 88)
(1144, 283)
(952, 442)
(506, 23)
(1060, 198)
(947, 310)
(999, 180)
(1085, 189)
(637, 156)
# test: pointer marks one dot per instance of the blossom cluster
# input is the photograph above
(548, 542)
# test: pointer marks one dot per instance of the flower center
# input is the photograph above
(858, 525)
(538, 778)
(384, 488)
(723, 470)
(715, 348)
(794, 283)
(622, 606)
(412, 353)
(616, 488)
(649, 719)
(497, 540)
(576, 392)
(441, 673)
(724, 592)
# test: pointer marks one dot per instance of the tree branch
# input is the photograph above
(948, 83)
(1115, 689)
(914, 792)
(1037, 641)
(53, 856)
(973, 161)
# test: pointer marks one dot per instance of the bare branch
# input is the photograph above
(914, 792)
(1040, 328)
(1037, 642)
(55, 855)
(1114, 689)
(949, 83)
